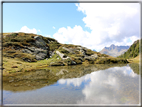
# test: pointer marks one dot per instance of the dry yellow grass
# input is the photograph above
(22, 66)
(135, 60)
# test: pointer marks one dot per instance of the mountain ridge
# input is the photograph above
(114, 50)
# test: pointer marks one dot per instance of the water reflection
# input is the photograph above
(48, 76)
(92, 84)
(118, 85)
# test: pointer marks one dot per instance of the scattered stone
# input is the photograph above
(14, 67)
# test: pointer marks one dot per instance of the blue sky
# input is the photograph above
(92, 25)
(41, 16)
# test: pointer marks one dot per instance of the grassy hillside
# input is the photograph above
(132, 52)
(21, 53)
(13, 43)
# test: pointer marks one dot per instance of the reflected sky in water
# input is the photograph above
(117, 85)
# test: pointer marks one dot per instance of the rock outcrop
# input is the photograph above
(40, 43)
(33, 47)
(41, 52)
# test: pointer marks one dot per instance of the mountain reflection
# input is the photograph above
(117, 85)
(48, 76)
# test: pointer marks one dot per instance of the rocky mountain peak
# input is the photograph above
(114, 50)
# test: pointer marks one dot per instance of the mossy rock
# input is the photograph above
(77, 60)
(63, 51)
(89, 52)
(68, 61)
(57, 63)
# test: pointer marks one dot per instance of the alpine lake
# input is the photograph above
(100, 84)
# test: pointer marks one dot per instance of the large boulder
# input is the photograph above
(63, 56)
(69, 61)
(82, 50)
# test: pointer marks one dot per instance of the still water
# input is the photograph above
(92, 84)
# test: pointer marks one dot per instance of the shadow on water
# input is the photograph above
(48, 76)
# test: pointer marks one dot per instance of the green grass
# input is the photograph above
(132, 52)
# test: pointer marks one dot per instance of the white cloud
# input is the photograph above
(109, 86)
(53, 27)
(115, 23)
(25, 29)
(74, 35)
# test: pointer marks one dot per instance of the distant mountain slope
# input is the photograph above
(132, 52)
(114, 50)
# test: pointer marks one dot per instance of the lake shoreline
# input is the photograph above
(15, 66)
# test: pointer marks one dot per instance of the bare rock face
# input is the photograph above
(40, 43)
(41, 51)
(40, 54)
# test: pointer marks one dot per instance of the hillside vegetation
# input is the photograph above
(133, 51)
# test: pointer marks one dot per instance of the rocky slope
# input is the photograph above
(32, 48)
(114, 50)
